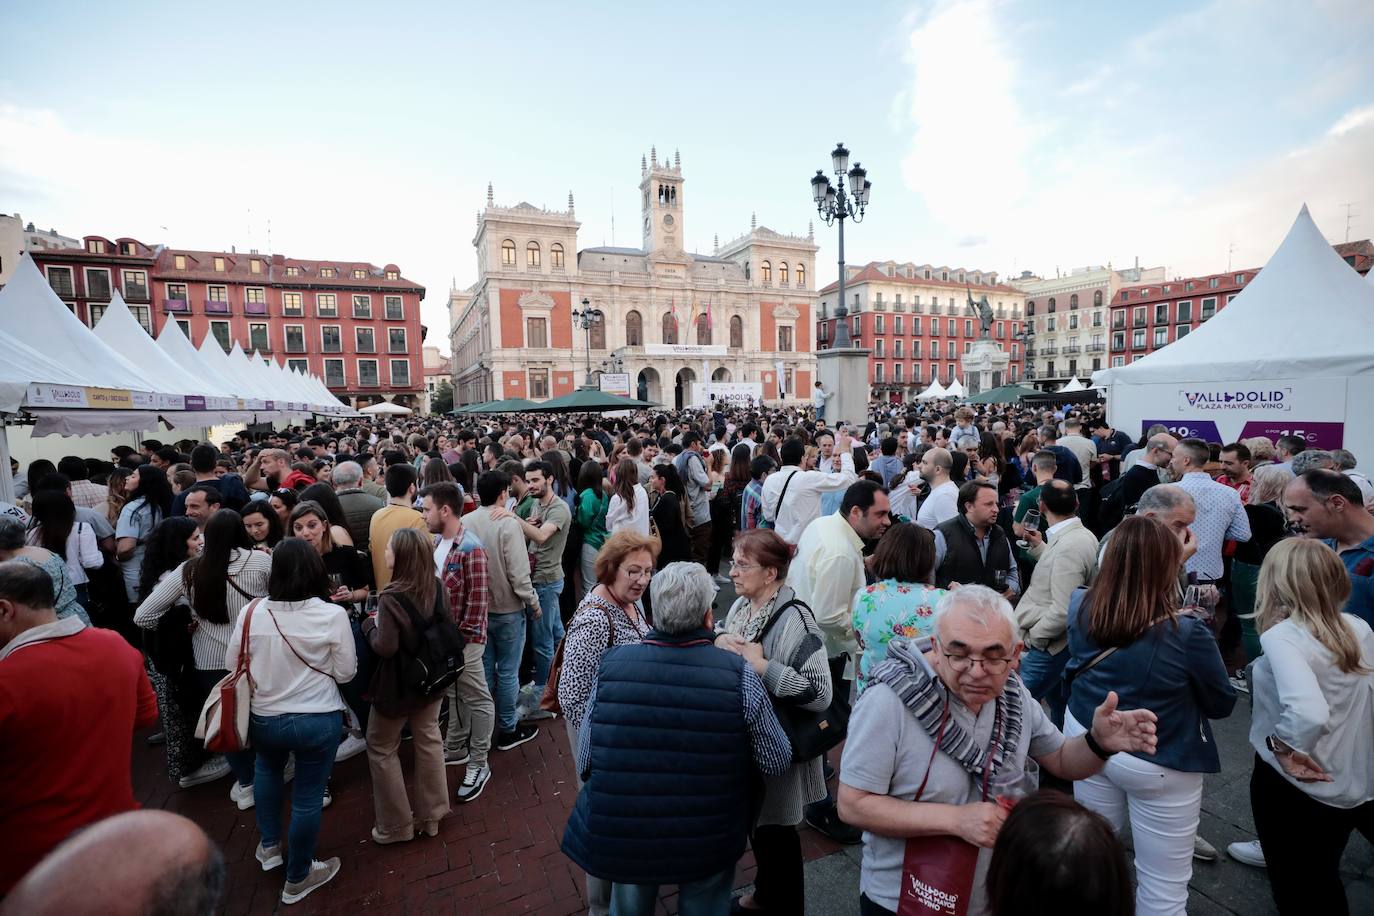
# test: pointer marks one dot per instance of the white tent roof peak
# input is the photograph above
(1306, 313)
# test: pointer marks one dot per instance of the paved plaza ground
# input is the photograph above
(499, 854)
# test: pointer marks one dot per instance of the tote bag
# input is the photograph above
(223, 722)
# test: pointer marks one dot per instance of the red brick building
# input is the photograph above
(355, 325)
(915, 320)
(1153, 315)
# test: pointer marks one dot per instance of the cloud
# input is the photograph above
(1360, 117)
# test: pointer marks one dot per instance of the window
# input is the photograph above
(365, 340)
(395, 308)
(821, 334)
(1240, 278)
(878, 348)
(326, 305)
(766, 272)
(1161, 336)
(334, 373)
(255, 266)
(634, 329)
(367, 374)
(951, 349)
(1162, 313)
(1097, 298)
(539, 383)
(393, 275)
(916, 324)
(185, 327)
(1185, 310)
(177, 292)
(295, 338)
(136, 284)
(1214, 282)
(1001, 330)
(598, 333)
(1119, 318)
(1138, 339)
(1118, 362)
(95, 246)
(897, 372)
(362, 306)
(220, 331)
(1073, 322)
(508, 253)
(298, 365)
(737, 332)
(1209, 307)
(1138, 316)
(1051, 303)
(785, 338)
(400, 373)
(1188, 287)
(257, 337)
(1049, 323)
(536, 333)
(782, 273)
(1097, 319)
(255, 300)
(97, 283)
(1073, 301)
(877, 372)
(293, 272)
(878, 327)
(179, 261)
(556, 256)
(897, 324)
(915, 350)
(292, 305)
(1182, 331)
(331, 341)
(897, 348)
(801, 276)
(359, 273)
(532, 254)
(329, 273)
(703, 330)
(1118, 340)
(968, 327)
(219, 265)
(669, 328)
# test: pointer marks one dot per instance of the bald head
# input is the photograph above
(177, 871)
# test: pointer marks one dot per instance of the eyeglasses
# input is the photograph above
(746, 567)
(962, 663)
(637, 573)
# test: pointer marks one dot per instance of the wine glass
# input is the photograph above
(1031, 520)
(1012, 784)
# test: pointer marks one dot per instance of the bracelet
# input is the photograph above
(1096, 748)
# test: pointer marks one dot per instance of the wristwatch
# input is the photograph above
(1276, 746)
(1096, 748)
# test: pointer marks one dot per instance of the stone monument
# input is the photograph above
(985, 364)
(844, 371)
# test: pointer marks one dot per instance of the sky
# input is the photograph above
(999, 135)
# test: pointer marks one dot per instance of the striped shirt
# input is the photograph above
(248, 569)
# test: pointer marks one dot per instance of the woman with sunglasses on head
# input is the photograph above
(283, 501)
(263, 525)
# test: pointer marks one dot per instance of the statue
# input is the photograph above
(984, 312)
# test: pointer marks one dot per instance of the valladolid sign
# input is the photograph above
(1313, 409)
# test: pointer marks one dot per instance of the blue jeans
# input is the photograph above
(1043, 675)
(505, 645)
(547, 631)
(314, 738)
(709, 896)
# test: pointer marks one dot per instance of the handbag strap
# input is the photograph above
(1099, 657)
(244, 659)
(291, 647)
(777, 513)
(801, 607)
(935, 749)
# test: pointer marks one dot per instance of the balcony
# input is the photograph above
(1048, 351)
(136, 293)
(1138, 323)
(899, 307)
(295, 346)
(255, 308)
(1138, 345)
(880, 306)
(1094, 348)
(1030, 351)
(216, 307)
(1119, 347)
(175, 305)
(1073, 350)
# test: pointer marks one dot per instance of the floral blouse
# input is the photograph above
(888, 609)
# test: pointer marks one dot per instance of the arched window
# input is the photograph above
(634, 329)
(1097, 298)
(801, 276)
(703, 330)
(736, 332)
(669, 328)
(746, 270)
(532, 254)
(1051, 303)
(507, 253)
(1073, 301)
(598, 332)
(766, 272)
(556, 256)
(782, 273)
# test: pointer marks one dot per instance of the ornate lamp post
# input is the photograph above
(586, 319)
(835, 204)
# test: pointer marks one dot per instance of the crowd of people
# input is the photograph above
(981, 642)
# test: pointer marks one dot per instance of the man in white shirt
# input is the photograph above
(792, 497)
(943, 502)
(1220, 515)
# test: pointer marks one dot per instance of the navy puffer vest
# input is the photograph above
(667, 798)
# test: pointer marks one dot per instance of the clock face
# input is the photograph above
(668, 220)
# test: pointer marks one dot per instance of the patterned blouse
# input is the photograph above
(588, 637)
(888, 609)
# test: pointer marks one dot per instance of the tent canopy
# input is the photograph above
(1073, 384)
(955, 390)
(1007, 394)
(933, 392)
(591, 399)
(385, 408)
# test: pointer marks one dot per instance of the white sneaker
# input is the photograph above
(321, 873)
(241, 796)
(474, 781)
(351, 746)
(1250, 853)
(269, 856)
(212, 769)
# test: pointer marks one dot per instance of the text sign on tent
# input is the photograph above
(1232, 410)
(40, 395)
(616, 383)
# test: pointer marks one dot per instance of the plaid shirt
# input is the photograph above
(90, 495)
(465, 582)
(751, 506)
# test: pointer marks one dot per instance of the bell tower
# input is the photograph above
(660, 189)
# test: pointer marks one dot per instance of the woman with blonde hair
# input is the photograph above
(1312, 726)
(414, 596)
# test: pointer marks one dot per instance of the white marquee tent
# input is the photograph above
(1073, 384)
(933, 392)
(1292, 355)
(956, 390)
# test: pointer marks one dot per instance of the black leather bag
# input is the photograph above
(813, 733)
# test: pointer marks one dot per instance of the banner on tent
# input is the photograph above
(1314, 409)
(617, 383)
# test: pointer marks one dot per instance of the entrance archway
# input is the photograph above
(648, 387)
(721, 375)
(682, 392)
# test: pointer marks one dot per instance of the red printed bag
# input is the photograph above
(223, 721)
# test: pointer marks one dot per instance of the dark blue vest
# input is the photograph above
(667, 799)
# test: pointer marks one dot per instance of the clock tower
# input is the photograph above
(660, 189)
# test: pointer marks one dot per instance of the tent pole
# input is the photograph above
(6, 478)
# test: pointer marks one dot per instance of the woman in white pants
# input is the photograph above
(1126, 634)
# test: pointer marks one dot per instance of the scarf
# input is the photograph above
(906, 672)
(739, 621)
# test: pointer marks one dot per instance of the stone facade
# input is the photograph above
(670, 317)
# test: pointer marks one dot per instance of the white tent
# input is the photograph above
(179, 348)
(385, 408)
(1073, 384)
(956, 390)
(933, 392)
(1292, 355)
(21, 364)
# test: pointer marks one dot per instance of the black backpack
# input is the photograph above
(1112, 508)
(438, 660)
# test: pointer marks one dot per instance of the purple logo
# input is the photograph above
(195, 402)
(1236, 399)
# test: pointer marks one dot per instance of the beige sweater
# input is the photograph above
(1062, 565)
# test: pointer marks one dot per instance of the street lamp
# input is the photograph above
(586, 319)
(835, 205)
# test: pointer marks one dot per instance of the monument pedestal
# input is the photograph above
(985, 366)
(845, 373)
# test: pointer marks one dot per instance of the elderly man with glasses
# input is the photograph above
(944, 725)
